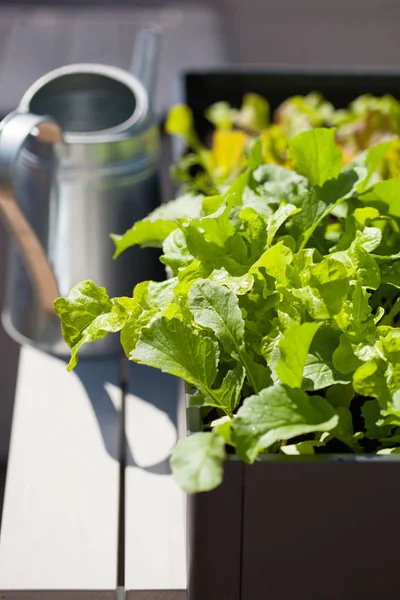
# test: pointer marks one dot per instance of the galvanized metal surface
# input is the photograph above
(74, 194)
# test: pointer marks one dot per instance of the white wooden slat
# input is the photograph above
(157, 595)
(155, 544)
(60, 519)
(60, 595)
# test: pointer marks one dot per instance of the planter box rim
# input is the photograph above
(287, 69)
(194, 425)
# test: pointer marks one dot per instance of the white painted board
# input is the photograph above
(155, 544)
(157, 595)
(60, 518)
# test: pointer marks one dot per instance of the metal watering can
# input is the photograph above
(78, 161)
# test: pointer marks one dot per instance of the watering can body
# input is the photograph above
(96, 174)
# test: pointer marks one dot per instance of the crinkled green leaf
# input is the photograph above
(364, 215)
(390, 341)
(227, 396)
(87, 315)
(150, 298)
(300, 113)
(277, 184)
(340, 395)
(357, 346)
(234, 194)
(278, 218)
(294, 346)
(175, 251)
(369, 380)
(319, 371)
(387, 192)
(206, 237)
(211, 204)
(319, 202)
(180, 122)
(130, 332)
(153, 230)
(254, 113)
(238, 285)
(197, 462)
(368, 239)
(371, 413)
(221, 115)
(390, 274)
(188, 275)
(367, 270)
(380, 258)
(145, 233)
(275, 261)
(223, 427)
(344, 430)
(175, 348)
(279, 413)
(322, 287)
(330, 278)
(355, 310)
(156, 295)
(312, 302)
(316, 155)
(216, 308)
(187, 206)
(256, 158)
(373, 159)
(253, 230)
(344, 358)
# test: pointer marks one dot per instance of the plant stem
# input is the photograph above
(244, 359)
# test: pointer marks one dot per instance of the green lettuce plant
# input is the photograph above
(280, 312)
(366, 122)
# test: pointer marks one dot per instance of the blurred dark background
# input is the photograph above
(36, 37)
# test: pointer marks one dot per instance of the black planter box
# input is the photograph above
(318, 527)
(202, 88)
(292, 528)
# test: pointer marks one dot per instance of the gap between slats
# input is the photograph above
(124, 384)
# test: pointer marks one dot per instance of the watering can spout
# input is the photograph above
(12, 139)
(145, 58)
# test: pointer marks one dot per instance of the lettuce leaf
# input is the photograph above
(279, 413)
(316, 155)
(88, 314)
(197, 462)
(282, 309)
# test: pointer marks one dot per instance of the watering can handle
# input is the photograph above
(14, 130)
(145, 57)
